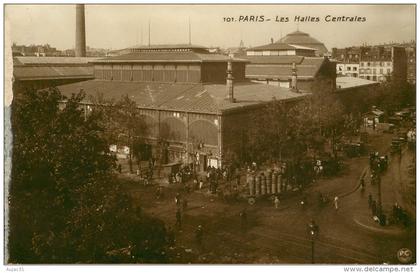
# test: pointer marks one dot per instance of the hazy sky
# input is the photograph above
(120, 26)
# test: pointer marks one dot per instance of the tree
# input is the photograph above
(290, 131)
(124, 124)
(65, 204)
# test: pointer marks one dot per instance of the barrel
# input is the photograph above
(263, 184)
(269, 183)
(279, 183)
(274, 183)
(251, 183)
(257, 185)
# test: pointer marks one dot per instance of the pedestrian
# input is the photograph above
(244, 219)
(375, 178)
(303, 201)
(158, 192)
(151, 164)
(200, 186)
(187, 188)
(320, 199)
(313, 227)
(199, 235)
(370, 200)
(396, 212)
(276, 202)
(373, 208)
(184, 204)
(336, 202)
(195, 184)
(177, 199)
(178, 218)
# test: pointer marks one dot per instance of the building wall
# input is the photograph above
(185, 135)
(290, 52)
(266, 73)
(306, 53)
(168, 72)
(235, 128)
(216, 72)
(399, 64)
(376, 70)
(411, 65)
(348, 69)
(148, 72)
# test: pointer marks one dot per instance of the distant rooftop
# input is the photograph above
(161, 48)
(279, 46)
(167, 47)
(304, 39)
(51, 60)
(343, 83)
(52, 68)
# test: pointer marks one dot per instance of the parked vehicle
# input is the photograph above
(396, 145)
(354, 149)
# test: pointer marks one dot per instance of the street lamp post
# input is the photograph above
(313, 250)
(313, 233)
(379, 195)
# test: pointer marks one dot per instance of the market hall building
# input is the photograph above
(198, 103)
(297, 52)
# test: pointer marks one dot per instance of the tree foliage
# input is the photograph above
(65, 206)
(124, 125)
(291, 129)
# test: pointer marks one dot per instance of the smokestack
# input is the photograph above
(229, 81)
(294, 78)
(80, 31)
(189, 31)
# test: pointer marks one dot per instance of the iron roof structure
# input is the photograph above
(196, 98)
(52, 68)
(168, 56)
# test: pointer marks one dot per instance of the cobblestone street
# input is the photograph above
(347, 235)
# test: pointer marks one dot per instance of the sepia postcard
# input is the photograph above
(210, 134)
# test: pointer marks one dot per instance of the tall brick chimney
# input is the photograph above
(229, 81)
(80, 49)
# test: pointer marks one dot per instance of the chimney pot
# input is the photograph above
(229, 82)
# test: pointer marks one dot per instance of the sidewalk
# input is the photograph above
(390, 194)
(358, 205)
(367, 222)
